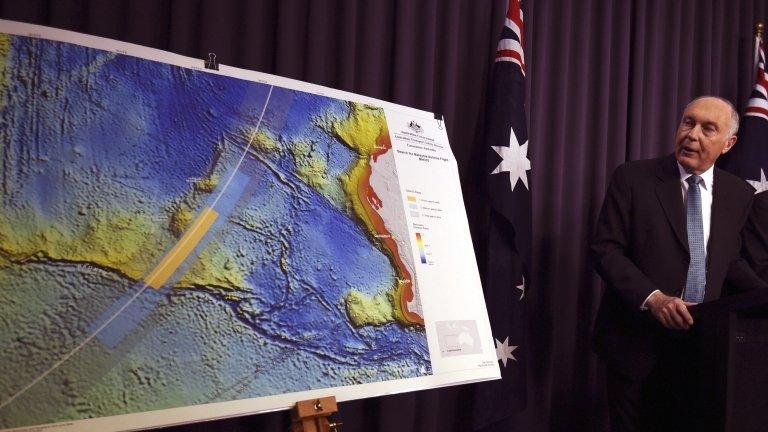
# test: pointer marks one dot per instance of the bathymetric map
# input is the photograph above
(171, 237)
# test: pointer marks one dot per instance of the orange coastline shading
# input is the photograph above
(371, 203)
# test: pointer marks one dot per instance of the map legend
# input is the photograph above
(422, 251)
(413, 206)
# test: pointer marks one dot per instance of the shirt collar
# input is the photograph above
(707, 176)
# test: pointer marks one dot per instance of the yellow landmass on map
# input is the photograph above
(361, 128)
(359, 131)
(5, 48)
(180, 218)
(310, 166)
(129, 243)
(314, 171)
(116, 240)
(207, 184)
(215, 266)
(366, 310)
(261, 140)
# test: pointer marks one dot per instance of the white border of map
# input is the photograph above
(449, 289)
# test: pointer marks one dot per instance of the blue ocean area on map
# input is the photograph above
(108, 163)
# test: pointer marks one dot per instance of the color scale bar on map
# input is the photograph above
(420, 245)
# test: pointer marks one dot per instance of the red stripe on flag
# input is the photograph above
(514, 14)
(759, 110)
(761, 78)
(509, 53)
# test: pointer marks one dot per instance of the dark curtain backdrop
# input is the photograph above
(608, 80)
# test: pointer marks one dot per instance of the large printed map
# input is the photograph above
(171, 237)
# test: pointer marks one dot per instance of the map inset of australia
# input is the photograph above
(171, 237)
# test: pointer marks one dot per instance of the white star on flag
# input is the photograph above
(515, 160)
(521, 287)
(504, 351)
(759, 185)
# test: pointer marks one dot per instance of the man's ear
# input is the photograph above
(730, 143)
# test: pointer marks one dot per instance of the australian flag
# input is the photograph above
(749, 160)
(508, 188)
(749, 157)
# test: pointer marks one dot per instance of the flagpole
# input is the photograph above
(759, 30)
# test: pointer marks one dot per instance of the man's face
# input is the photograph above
(703, 134)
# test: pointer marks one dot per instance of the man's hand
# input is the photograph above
(672, 312)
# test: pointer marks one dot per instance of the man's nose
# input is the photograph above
(695, 132)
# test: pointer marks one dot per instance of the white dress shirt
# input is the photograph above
(706, 186)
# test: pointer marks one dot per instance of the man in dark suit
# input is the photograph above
(666, 239)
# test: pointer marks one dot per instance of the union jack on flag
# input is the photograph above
(758, 101)
(510, 47)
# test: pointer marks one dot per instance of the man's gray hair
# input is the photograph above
(734, 114)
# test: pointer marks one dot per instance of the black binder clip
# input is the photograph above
(211, 62)
(440, 119)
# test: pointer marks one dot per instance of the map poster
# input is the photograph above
(180, 244)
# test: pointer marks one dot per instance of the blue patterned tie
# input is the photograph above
(695, 284)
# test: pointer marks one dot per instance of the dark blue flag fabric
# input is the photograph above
(749, 160)
(508, 189)
(749, 157)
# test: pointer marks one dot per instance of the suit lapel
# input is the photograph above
(670, 195)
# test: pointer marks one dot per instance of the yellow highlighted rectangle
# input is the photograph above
(411, 198)
(182, 249)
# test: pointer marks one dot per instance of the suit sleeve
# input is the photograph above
(750, 271)
(610, 245)
(755, 236)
